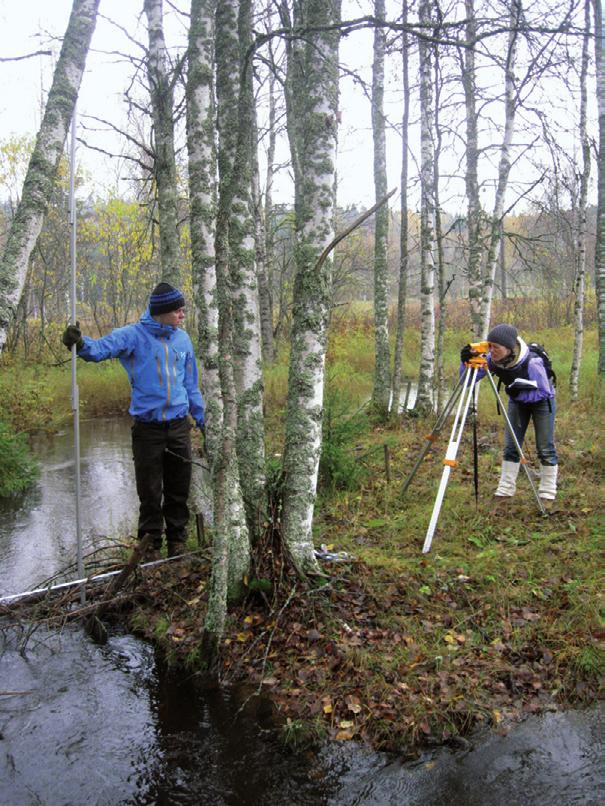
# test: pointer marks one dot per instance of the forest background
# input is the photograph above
(239, 128)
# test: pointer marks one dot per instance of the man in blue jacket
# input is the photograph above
(159, 359)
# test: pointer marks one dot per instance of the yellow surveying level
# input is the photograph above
(480, 346)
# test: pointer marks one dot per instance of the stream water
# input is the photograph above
(83, 724)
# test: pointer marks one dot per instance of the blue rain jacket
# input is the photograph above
(161, 368)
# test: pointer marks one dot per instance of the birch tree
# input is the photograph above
(382, 382)
(582, 227)
(442, 287)
(600, 234)
(201, 150)
(269, 227)
(164, 162)
(40, 178)
(260, 239)
(504, 165)
(424, 398)
(403, 221)
(244, 282)
(312, 107)
(232, 541)
(471, 150)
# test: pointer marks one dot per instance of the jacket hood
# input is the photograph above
(155, 327)
(518, 355)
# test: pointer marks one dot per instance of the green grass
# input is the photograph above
(38, 398)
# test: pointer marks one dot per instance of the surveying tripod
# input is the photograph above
(464, 392)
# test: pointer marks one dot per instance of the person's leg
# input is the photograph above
(148, 450)
(543, 415)
(177, 481)
(519, 419)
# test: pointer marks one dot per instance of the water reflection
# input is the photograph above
(83, 724)
(110, 726)
(37, 530)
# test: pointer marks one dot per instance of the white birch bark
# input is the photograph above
(382, 381)
(244, 288)
(424, 398)
(580, 279)
(39, 181)
(269, 224)
(201, 150)
(164, 163)
(231, 528)
(403, 224)
(600, 233)
(260, 238)
(312, 103)
(439, 252)
(510, 108)
(473, 216)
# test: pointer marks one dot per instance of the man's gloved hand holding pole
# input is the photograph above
(72, 335)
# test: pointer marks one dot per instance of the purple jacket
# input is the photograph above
(526, 380)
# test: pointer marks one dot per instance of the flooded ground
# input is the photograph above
(83, 724)
(38, 531)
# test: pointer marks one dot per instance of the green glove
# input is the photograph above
(72, 335)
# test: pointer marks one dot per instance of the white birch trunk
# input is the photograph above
(403, 232)
(260, 238)
(580, 280)
(39, 181)
(202, 199)
(473, 216)
(244, 288)
(312, 100)
(510, 108)
(268, 209)
(230, 522)
(600, 234)
(424, 398)
(382, 381)
(164, 163)
(440, 261)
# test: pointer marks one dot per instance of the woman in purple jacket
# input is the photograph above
(531, 397)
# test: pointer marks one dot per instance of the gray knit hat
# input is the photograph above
(506, 335)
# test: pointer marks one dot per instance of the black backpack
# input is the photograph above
(539, 349)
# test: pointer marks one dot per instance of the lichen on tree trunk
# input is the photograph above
(312, 103)
(164, 162)
(202, 200)
(382, 379)
(424, 398)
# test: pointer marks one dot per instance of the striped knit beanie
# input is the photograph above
(165, 298)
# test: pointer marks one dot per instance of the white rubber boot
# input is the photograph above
(508, 480)
(548, 482)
